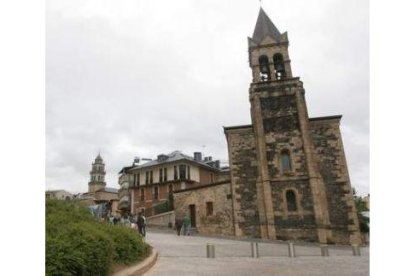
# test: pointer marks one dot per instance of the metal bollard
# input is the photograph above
(252, 247)
(356, 251)
(292, 252)
(211, 250)
(257, 250)
(324, 250)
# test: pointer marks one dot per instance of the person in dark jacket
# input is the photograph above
(141, 224)
(178, 225)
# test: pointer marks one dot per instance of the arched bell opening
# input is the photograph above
(279, 65)
(264, 68)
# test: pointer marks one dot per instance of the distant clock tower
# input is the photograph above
(97, 180)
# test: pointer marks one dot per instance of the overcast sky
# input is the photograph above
(140, 78)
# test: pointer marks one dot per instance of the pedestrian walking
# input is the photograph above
(144, 225)
(178, 225)
(141, 224)
(186, 224)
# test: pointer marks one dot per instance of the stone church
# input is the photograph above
(288, 173)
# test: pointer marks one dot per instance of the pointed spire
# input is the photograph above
(98, 158)
(264, 27)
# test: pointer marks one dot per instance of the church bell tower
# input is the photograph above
(284, 149)
(97, 175)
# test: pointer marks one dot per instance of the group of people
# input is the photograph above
(183, 223)
(138, 222)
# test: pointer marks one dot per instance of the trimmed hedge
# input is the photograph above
(77, 244)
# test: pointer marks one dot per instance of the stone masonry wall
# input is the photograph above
(244, 171)
(221, 221)
(282, 131)
(164, 219)
(332, 164)
(294, 225)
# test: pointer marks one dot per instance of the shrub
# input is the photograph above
(128, 245)
(77, 244)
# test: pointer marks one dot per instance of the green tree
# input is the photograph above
(361, 207)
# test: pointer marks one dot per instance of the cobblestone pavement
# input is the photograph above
(186, 255)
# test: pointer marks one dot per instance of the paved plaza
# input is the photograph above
(186, 255)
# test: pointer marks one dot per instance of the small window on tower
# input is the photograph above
(291, 201)
(286, 162)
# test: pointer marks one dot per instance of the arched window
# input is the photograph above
(286, 163)
(279, 66)
(291, 201)
(264, 68)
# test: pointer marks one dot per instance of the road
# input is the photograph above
(186, 255)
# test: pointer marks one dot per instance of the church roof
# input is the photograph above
(172, 157)
(237, 127)
(325, 118)
(111, 190)
(265, 27)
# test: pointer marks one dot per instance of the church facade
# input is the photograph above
(288, 173)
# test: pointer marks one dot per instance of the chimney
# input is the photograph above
(197, 156)
(162, 157)
(217, 164)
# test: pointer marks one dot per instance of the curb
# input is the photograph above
(140, 268)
